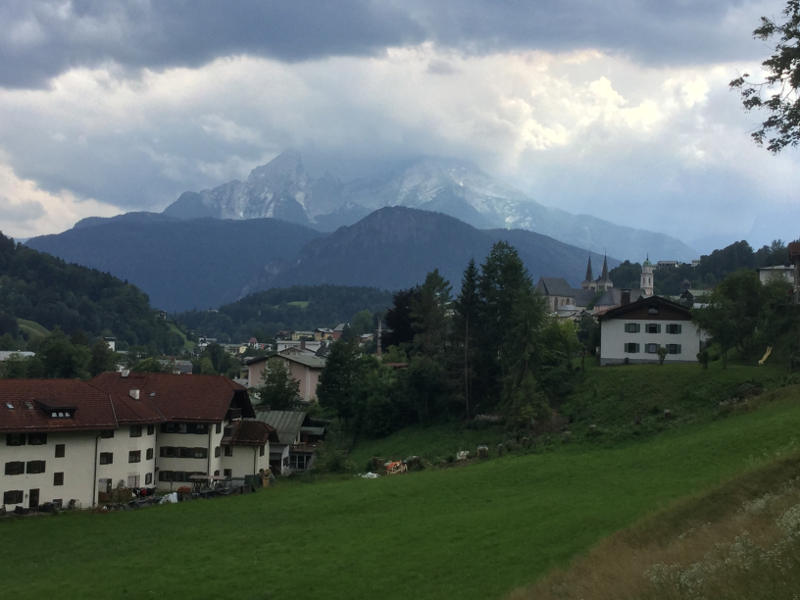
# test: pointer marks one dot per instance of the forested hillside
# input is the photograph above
(296, 308)
(41, 288)
(712, 268)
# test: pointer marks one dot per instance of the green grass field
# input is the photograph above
(32, 329)
(476, 531)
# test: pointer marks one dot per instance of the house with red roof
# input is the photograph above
(73, 442)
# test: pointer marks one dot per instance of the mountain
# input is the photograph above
(38, 287)
(395, 248)
(181, 264)
(204, 263)
(284, 189)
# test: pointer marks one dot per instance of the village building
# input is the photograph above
(71, 442)
(634, 331)
(303, 368)
(297, 437)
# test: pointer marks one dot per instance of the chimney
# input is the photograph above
(626, 297)
(134, 394)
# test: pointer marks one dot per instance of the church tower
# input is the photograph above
(588, 283)
(604, 283)
(647, 278)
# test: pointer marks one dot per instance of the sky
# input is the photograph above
(619, 109)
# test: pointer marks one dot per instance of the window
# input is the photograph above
(133, 481)
(261, 451)
(216, 473)
(58, 478)
(37, 439)
(34, 466)
(15, 439)
(219, 428)
(12, 497)
(228, 451)
(673, 348)
(631, 348)
(60, 451)
(148, 479)
(216, 452)
(167, 452)
(149, 455)
(151, 429)
(135, 456)
(632, 327)
(227, 473)
(136, 431)
(653, 328)
(106, 458)
(673, 327)
(169, 428)
(107, 433)
(16, 467)
(165, 476)
(651, 348)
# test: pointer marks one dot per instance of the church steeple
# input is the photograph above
(588, 282)
(647, 277)
(604, 274)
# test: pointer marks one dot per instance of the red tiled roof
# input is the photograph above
(167, 397)
(27, 405)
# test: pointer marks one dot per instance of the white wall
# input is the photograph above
(121, 470)
(76, 466)
(613, 338)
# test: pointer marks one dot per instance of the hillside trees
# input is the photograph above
(779, 93)
(747, 316)
(492, 349)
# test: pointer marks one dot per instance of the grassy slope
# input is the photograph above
(32, 328)
(470, 532)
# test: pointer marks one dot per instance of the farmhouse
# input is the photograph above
(634, 331)
(72, 442)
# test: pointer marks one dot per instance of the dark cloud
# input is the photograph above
(42, 39)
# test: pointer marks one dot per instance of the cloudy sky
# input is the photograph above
(619, 109)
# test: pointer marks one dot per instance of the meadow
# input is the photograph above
(473, 531)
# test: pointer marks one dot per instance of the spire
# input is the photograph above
(589, 270)
(604, 274)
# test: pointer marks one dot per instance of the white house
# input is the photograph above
(73, 442)
(634, 331)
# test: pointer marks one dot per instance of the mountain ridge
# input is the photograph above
(284, 189)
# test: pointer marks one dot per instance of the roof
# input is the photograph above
(310, 361)
(613, 297)
(286, 422)
(644, 307)
(28, 404)
(250, 433)
(6, 354)
(168, 397)
(555, 286)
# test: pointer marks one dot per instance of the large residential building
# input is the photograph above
(72, 442)
(634, 331)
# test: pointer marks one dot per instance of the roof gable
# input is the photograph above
(652, 308)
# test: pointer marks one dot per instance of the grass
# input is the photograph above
(476, 531)
(433, 443)
(32, 329)
(302, 304)
(741, 540)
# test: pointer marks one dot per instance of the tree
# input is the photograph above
(102, 358)
(779, 93)
(337, 382)
(279, 391)
(466, 318)
(429, 318)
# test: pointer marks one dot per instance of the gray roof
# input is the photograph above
(613, 297)
(555, 286)
(312, 361)
(286, 422)
(584, 297)
(6, 354)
